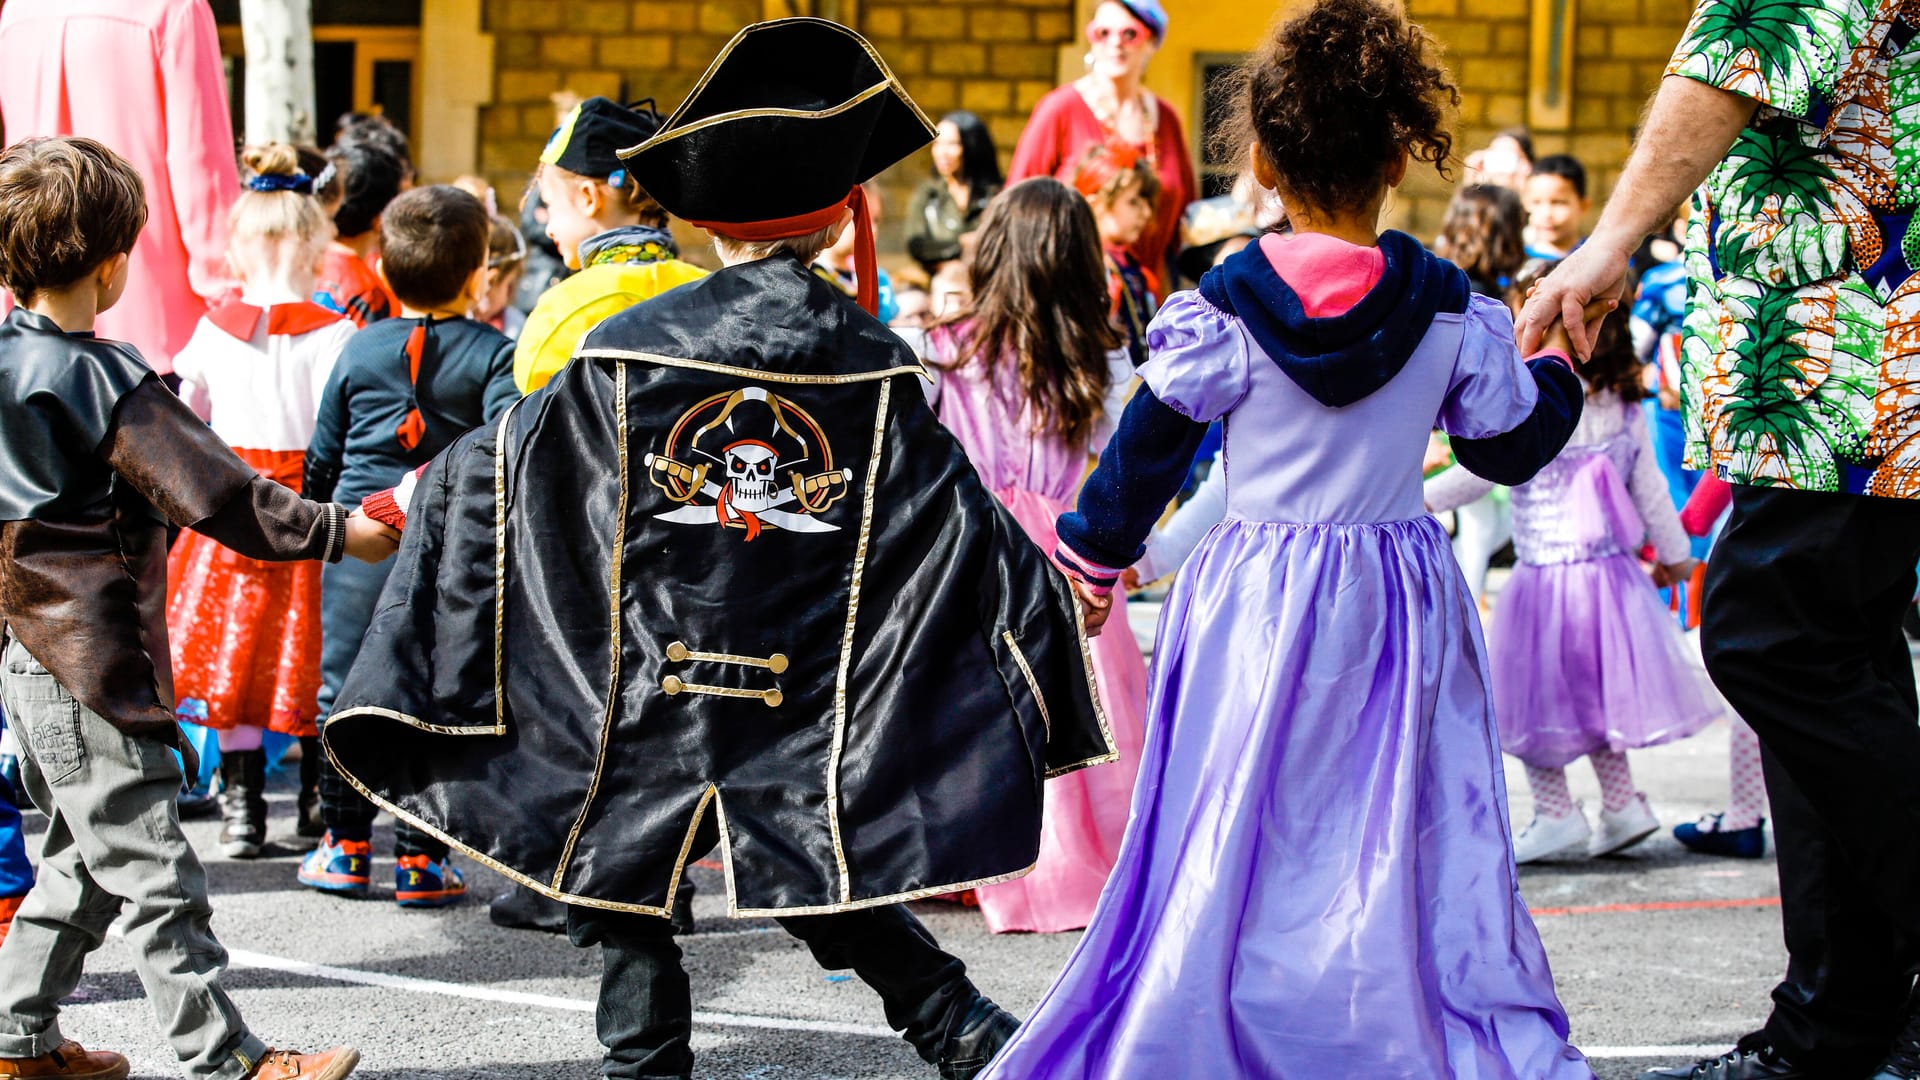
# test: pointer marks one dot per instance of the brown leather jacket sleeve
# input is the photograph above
(160, 447)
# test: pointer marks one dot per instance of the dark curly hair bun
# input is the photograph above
(1336, 95)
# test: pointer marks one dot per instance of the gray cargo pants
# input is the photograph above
(113, 842)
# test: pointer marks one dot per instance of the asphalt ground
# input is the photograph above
(1652, 951)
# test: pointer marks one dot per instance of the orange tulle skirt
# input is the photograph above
(245, 634)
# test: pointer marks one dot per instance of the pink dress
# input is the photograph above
(145, 78)
(1036, 477)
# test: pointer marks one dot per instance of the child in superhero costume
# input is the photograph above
(726, 581)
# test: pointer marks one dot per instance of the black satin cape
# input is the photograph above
(868, 692)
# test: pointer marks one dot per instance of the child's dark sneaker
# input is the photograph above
(342, 867)
(419, 881)
(1708, 836)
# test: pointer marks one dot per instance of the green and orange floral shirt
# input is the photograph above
(1802, 339)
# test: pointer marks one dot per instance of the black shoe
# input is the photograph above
(310, 825)
(520, 908)
(1903, 1061)
(243, 803)
(683, 906)
(1752, 1058)
(974, 1040)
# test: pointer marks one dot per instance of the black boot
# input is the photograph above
(243, 803)
(311, 757)
(683, 905)
(520, 908)
(1903, 1061)
(975, 1037)
(1753, 1058)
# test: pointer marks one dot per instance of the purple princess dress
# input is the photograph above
(1585, 657)
(1317, 880)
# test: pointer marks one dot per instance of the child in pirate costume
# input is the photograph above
(726, 581)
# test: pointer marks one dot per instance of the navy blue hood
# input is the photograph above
(1342, 359)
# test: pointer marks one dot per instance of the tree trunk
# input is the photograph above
(279, 43)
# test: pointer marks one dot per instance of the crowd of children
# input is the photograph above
(1354, 384)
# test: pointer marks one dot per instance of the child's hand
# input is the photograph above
(1671, 574)
(1096, 607)
(368, 540)
(1129, 579)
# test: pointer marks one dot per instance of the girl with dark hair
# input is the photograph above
(1586, 660)
(1316, 879)
(1485, 234)
(948, 206)
(1026, 378)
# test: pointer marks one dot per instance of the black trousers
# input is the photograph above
(349, 815)
(1801, 631)
(645, 1013)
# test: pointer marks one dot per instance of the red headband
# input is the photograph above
(1101, 165)
(865, 265)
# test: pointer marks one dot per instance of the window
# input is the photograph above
(1213, 78)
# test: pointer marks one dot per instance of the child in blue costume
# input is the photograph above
(1316, 879)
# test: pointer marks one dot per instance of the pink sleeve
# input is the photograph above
(1038, 152)
(200, 142)
(1709, 500)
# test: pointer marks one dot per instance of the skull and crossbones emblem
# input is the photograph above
(759, 458)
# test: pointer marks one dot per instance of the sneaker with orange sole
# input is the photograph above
(341, 867)
(421, 881)
(71, 1062)
(288, 1065)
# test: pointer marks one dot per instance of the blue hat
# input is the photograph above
(1149, 12)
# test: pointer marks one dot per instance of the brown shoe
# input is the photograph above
(287, 1065)
(71, 1061)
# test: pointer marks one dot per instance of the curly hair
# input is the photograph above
(1483, 233)
(1335, 96)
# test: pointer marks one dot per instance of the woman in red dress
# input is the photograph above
(1110, 105)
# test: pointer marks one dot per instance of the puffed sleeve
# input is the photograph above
(1508, 417)
(1201, 365)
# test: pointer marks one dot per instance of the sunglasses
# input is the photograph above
(1128, 35)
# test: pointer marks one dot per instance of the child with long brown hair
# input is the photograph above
(1586, 661)
(1316, 879)
(1484, 233)
(1026, 377)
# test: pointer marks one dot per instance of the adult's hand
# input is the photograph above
(1577, 296)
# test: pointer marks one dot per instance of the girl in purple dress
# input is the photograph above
(1586, 660)
(1316, 879)
(1026, 379)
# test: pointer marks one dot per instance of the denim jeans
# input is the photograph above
(113, 841)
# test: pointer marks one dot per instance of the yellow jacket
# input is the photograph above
(575, 306)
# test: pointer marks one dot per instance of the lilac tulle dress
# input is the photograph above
(1084, 817)
(1317, 881)
(1585, 657)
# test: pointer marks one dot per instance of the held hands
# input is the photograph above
(1096, 606)
(368, 540)
(1671, 574)
(1581, 291)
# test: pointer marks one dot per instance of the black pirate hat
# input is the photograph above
(778, 135)
(589, 140)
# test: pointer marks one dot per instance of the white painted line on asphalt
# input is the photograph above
(248, 958)
(436, 987)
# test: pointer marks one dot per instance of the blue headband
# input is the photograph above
(297, 182)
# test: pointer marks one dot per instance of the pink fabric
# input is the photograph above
(1327, 273)
(1709, 500)
(1085, 814)
(1062, 129)
(145, 78)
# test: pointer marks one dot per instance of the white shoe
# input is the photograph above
(1623, 828)
(1548, 836)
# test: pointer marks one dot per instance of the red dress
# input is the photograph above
(1063, 128)
(246, 634)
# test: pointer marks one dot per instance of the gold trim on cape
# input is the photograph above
(1033, 684)
(749, 373)
(846, 640)
(674, 685)
(678, 653)
(613, 586)
(1093, 692)
(500, 569)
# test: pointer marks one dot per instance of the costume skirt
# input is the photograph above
(1084, 817)
(1317, 879)
(245, 634)
(1586, 658)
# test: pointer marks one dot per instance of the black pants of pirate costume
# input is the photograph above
(645, 1012)
(1804, 599)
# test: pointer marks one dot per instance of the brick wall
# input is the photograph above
(1621, 48)
(994, 57)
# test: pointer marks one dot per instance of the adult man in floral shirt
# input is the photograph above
(1802, 355)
